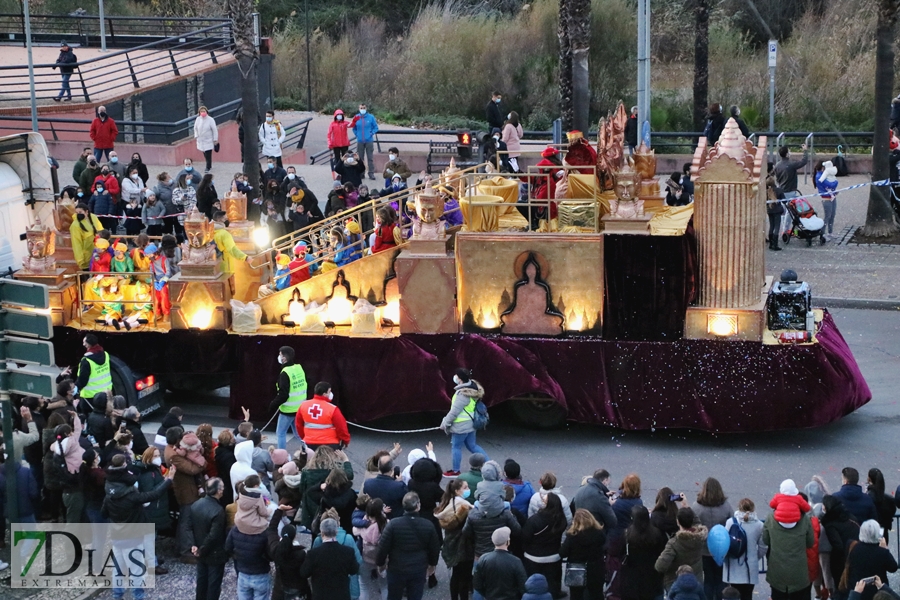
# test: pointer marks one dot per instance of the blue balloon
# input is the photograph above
(718, 541)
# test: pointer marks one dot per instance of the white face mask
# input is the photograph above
(134, 176)
(456, 380)
(392, 156)
(340, 117)
(496, 138)
(281, 360)
(330, 395)
(291, 176)
(157, 461)
(509, 116)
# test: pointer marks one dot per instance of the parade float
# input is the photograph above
(578, 297)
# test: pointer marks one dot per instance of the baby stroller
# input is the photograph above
(805, 223)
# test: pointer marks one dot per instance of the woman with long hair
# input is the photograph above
(712, 508)
(884, 503)
(665, 510)
(457, 550)
(314, 475)
(373, 582)
(288, 555)
(205, 435)
(83, 231)
(148, 470)
(184, 197)
(541, 540)
(585, 542)
(338, 494)
(512, 135)
(644, 543)
(207, 196)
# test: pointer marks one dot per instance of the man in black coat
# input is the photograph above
(66, 63)
(594, 497)
(388, 487)
(123, 502)
(330, 566)
(494, 111)
(499, 575)
(413, 547)
(631, 130)
(206, 533)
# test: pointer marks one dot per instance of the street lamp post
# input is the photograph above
(643, 53)
(102, 29)
(27, 16)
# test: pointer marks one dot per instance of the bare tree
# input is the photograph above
(701, 61)
(247, 55)
(880, 216)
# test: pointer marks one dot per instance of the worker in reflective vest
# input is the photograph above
(291, 389)
(321, 423)
(94, 375)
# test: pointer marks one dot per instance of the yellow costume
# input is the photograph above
(83, 233)
(228, 249)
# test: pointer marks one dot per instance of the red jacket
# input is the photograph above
(384, 238)
(812, 554)
(300, 274)
(104, 133)
(111, 183)
(332, 424)
(789, 509)
(337, 132)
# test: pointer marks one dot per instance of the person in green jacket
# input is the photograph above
(788, 573)
(81, 164)
(83, 231)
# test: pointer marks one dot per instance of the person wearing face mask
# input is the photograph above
(495, 151)
(148, 470)
(189, 171)
(457, 551)
(274, 171)
(350, 169)
(290, 394)
(207, 135)
(338, 138)
(395, 166)
(89, 174)
(81, 164)
(319, 422)
(138, 163)
(272, 135)
(83, 230)
(184, 197)
(458, 421)
(103, 133)
(133, 187)
(103, 203)
(163, 190)
(116, 166)
(365, 127)
(494, 111)
(512, 134)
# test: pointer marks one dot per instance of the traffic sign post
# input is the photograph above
(38, 377)
(773, 59)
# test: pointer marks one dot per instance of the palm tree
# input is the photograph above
(701, 61)
(247, 55)
(566, 107)
(880, 217)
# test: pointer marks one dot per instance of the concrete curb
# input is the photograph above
(857, 303)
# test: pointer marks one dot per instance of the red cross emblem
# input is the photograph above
(314, 411)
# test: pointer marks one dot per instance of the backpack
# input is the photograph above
(737, 547)
(840, 163)
(480, 417)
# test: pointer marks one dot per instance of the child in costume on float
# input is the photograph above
(107, 289)
(121, 262)
(296, 266)
(101, 258)
(141, 313)
(160, 280)
(138, 258)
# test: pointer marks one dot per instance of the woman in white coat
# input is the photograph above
(207, 135)
(742, 573)
(271, 135)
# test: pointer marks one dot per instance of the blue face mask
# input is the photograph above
(114, 159)
(80, 194)
(189, 169)
(466, 493)
(99, 190)
(362, 111)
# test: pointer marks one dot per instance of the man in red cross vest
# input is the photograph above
(319, 422)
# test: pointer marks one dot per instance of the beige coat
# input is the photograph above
(513, 136)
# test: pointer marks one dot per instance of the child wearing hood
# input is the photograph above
(414, 455)
(536, 588)
(686, 586)
(789, 507)
(490, 489)
(192, 449)
(826, 183)
(743, 572)
(254, 508)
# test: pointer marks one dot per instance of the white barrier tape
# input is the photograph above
(881, 183)
(124, 217)
(388, 431)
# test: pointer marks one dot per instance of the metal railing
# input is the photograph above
(117, 72)
(316, 234)
(321, 155)
(84, 29)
